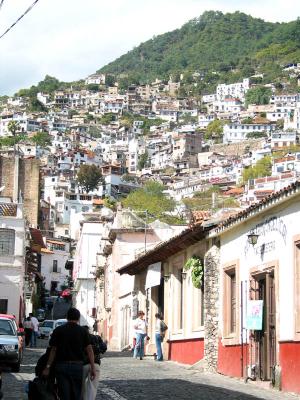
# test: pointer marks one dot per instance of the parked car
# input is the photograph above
(46, 327)
(57, 322)
(11, 351)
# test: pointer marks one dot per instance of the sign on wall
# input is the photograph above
(153, 275)
(254, 318)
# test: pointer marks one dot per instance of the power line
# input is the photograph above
(23, 15)
(1, 4)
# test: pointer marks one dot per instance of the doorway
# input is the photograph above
(265, 340)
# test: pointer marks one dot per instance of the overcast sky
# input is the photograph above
(70, 39)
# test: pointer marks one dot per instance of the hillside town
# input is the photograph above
(219, 258)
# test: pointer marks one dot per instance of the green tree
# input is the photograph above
(89, 177)
(262, 168)
(93, 87)
(13, 127)
(142, 160)
(42, 139)
(151, 198)
(258, 95)
(214, 129)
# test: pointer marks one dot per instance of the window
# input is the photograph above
(198, 308)
(7, 242)
(230, 303)
(54, 266)
(232, 299)
(3, 306)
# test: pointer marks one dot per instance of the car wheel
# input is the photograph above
(16, 367)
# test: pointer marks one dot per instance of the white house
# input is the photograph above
(236, 90)
(96, 79)
(84, 269)
(258, 257)
(12, 258)
(53, 260)
(237, 132)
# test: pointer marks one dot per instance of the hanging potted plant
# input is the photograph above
(194, 264)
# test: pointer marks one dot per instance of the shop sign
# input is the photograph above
(254, 318)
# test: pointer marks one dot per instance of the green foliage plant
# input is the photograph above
(194, 264)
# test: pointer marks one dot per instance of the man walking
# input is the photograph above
(69, 343)
(35, 331)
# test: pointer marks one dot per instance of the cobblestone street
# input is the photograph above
(124, 378)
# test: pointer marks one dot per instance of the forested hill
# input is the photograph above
(214, 41)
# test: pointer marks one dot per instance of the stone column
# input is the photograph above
(211, 308)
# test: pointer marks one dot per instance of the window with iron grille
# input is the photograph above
(7, 242)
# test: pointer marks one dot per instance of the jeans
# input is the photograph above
(33, 339)
(159, 355)
(69, 380)
(139, 346)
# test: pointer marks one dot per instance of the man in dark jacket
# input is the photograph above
(70, 343)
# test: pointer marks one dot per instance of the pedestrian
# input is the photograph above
(99, 347)
(160, 330)
(69, 343)
(21, 334)
(140, 327)
(35, 330)
(28, 328)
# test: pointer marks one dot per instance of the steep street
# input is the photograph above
(125, 378)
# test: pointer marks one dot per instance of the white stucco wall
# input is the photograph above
(276, 238)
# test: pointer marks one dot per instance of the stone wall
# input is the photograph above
(211, 308)
(28, 182)
(238, 149)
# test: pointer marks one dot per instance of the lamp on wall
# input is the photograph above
(252, 238)
(166, 277)
(183, 275)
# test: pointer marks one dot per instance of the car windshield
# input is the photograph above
(60, 323)
(47, 324)
(6, 328)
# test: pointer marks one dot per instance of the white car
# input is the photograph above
(57, 322)
(46, 327)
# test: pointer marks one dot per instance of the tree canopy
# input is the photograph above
(262, 168)
(234, 44)
(89, 177)
(151, 198)
(258, 95)
(214, 129)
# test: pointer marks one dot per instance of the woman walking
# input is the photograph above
(28, 328)
(160, 330)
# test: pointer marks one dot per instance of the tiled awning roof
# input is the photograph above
(8, 210)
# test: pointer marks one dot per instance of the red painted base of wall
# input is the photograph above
(230, 360)
(187, 351)
(290, 366)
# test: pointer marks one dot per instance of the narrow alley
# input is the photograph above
(125, 378)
